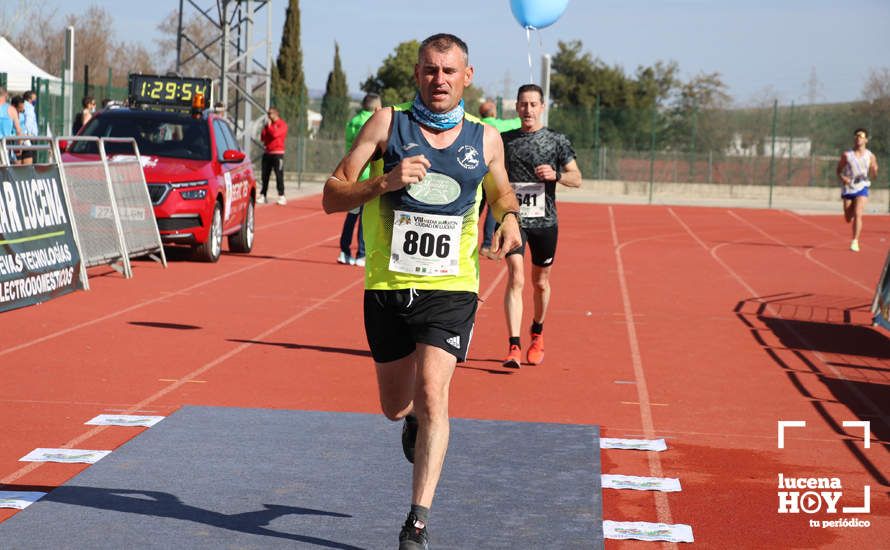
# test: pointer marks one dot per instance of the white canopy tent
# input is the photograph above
(19, 69)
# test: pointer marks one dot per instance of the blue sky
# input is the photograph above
(761, 48)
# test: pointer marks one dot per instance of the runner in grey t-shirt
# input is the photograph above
(537, 158)
(524, 152)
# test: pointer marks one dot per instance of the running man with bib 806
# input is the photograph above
(421, 209)
(537, 159)
(855, 169)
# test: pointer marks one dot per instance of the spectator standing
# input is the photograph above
(9, 120)
(28, 120)
(273, 136)
(88, 107)
(370, 104)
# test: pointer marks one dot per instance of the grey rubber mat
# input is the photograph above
(227, 478)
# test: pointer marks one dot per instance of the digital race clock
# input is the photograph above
(174, 91)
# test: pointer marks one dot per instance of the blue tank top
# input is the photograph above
(7, 127)
(449, 195)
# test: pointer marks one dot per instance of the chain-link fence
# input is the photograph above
(797, 146)
(774, 145)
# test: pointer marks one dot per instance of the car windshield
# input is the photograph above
(175, 136)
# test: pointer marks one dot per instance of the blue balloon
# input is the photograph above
(537, 13)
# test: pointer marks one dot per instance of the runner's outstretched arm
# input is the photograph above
(500, 195)
(342, 191)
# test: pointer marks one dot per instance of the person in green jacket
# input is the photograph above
(370, 103)
(488, 113)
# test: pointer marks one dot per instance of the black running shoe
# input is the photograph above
(409, 436)
(414, 535)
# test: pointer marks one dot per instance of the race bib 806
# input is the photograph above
(425, 244)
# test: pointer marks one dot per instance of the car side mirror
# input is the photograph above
(63, 145)
(232, 155)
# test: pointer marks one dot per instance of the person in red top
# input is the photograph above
(273, 136)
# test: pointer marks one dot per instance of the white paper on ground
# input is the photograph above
(19, 499)
(64, 455)
(641, 530)
(124, 420)
(666, 484)
(633, 444)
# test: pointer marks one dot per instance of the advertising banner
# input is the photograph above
(39, 259)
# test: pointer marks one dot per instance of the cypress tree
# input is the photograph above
(335, 103)
(288, 82)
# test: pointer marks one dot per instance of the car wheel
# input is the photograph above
(211, 249)
(242, 241)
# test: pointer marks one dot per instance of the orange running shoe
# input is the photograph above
(536, 349)
(514, 358)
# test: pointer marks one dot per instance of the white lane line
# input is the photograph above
(194, 374)
(166, 296)
(289, 220)
(662, 506)
(493, 285)
(798, 252)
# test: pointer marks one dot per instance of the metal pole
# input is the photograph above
(790, 140)
(269, 69)
(223, 80)
(545, 85)
(652, 157)
(86, 80)
(692, 148)
(248, 80)
(596, 135)
(179, 40)
(68, 82)
(772, 160)
(710, 165)
(108, 88)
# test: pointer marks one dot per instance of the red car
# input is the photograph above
(199, 180)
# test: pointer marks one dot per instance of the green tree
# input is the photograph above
(581, 84)
(288, 82)
(473, 99)
(699, 119)
(874, 114)
(394, 81)
(335, 103)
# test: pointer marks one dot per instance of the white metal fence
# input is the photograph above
(111, 211)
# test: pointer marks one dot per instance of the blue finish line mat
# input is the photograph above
(217, 477)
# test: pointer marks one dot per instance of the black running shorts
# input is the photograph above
(541, 241)
(397, 320)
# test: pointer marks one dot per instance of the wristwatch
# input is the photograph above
(514, 212)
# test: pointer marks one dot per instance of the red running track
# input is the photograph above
(701, 325)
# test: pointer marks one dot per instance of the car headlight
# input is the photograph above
(188, 193)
